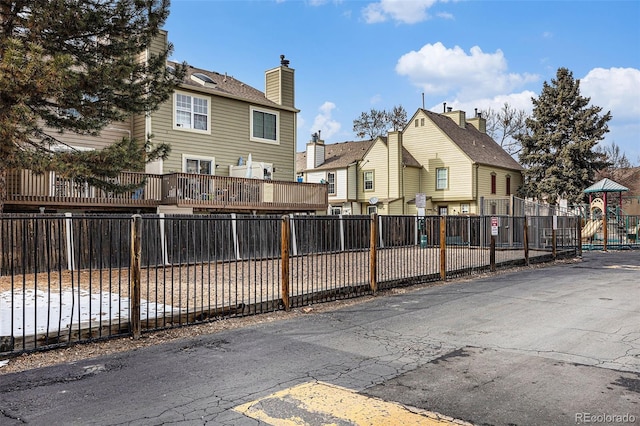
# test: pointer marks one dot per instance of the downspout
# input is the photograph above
(476, 194)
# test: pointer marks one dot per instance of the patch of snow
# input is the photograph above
(38, 311)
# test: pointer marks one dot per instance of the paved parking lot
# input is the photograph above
(556, 345)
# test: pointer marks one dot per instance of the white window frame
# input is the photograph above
(465, 208)
(446, 179)
(331, 183)
(365, 181)
(199, 158)
(372, 209)
(178, 126)
(335, 210)
(254, 138)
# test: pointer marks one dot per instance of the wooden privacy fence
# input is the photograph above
(80, 278)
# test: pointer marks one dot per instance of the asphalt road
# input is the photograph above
(558, 345)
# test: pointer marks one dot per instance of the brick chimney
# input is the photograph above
(279, 84)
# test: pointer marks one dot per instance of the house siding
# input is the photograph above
(484, 181)
(376, 161)
(432, 148)
(229, 139)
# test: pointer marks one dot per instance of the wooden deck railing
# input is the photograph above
(180, 189)
(221, 192)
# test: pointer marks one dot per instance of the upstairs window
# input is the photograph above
(368, 181)
(191, 113)
(442, 179)
(493, 183)
(508, 185)
(331, 183)
(264, 125)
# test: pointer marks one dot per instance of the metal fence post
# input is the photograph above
(373, 253)
(135, 273)
(443, 248)
(285, 261)
(526, 241)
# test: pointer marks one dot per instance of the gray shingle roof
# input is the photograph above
(477, 145)
(337, 155)
(225, 85)
(340, 155)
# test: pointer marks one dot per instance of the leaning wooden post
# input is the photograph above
(285, 261)
(526, 241)
(579, 233)
(135, 274)
(492, 253)
(443, 248)
(373, 253)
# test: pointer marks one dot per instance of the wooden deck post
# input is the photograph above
(285, 261)
(135, 273)
(443, 248)
(373, 253)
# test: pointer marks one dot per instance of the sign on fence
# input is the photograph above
(494, 226)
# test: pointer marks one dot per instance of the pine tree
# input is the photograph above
(76, 66)
(558, 151)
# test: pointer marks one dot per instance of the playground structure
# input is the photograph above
(606, 225)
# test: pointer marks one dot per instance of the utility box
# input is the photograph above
(423, 241)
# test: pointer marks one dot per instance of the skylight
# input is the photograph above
(203, 78)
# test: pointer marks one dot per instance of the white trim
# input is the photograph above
(265, 111)
(174, 109)
(186, 157)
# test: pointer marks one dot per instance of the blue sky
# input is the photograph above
(351, 56)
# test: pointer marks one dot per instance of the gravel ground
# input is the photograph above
(77, 352)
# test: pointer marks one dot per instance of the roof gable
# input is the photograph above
(478, 146)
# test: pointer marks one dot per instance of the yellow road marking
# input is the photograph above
(319, 403)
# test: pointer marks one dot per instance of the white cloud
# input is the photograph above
(519, 101)
(438, 70)
(324, 121)
(375, 99)
(404, 11)
(445, 15)
(614, 89)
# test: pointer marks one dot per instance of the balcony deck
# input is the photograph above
(216, 193)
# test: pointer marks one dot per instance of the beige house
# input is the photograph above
(356, 174)
(438, 164)
(232, 149)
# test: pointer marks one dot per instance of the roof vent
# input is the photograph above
(284, 62)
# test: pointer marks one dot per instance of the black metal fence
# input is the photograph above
(67, 278)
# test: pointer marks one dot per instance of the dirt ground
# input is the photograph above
(77, 352)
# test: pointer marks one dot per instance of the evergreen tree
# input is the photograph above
(76, 66)
(558, 151)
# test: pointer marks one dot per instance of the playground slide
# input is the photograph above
(591, 228)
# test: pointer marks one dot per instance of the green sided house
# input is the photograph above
(438, 164)
(232, 150)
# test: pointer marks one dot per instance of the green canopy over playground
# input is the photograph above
(606, 185)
